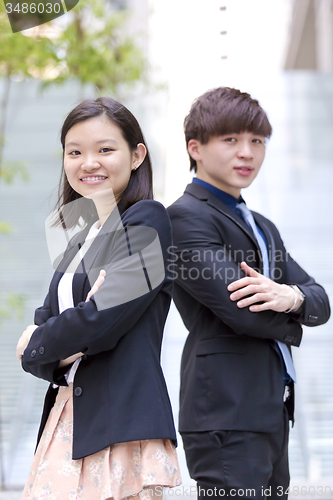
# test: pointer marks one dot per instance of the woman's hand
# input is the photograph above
(24, 340)
(71, 359)
(257, 288)
(97, 285)
(26, 335)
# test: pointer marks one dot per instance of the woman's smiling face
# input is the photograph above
(97, 157)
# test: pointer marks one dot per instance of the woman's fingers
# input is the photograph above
(97, 285)
(24, 340)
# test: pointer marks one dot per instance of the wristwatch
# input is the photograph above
(300, 295)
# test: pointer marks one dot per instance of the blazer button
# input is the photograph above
(77, 391)
(41, 350)
(33, 353)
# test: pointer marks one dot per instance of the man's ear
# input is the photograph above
(193, 148)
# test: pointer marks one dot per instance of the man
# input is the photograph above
(243, 300)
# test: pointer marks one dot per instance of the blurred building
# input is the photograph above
(310, 43)
(188, 55)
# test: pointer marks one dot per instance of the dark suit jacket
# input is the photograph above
(119, 390)
(231, 371)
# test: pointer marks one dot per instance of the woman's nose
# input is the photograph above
(90, 163)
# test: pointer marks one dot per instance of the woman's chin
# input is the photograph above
(97, 194)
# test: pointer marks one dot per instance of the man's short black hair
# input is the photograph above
(224, 111)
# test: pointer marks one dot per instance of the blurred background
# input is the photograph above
(157, 57)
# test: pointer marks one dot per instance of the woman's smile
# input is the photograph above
(93, 179)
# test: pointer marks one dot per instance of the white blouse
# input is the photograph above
(65, 287)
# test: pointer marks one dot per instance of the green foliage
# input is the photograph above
(12, 303)
(94, 49)
(12, 169)
(20, 55)
(5, 228)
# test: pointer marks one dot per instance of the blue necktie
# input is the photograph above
(248, 217)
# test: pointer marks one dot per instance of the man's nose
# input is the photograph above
(245, 149)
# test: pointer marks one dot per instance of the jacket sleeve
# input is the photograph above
(204, 267)
(316, 307)
(96, 326)
(43, 313)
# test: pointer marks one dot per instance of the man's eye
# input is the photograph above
(230, 139)
(258, 141)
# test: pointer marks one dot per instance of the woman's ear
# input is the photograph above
(193, 148)
(138, 155)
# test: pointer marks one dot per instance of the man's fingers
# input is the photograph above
(250, 289)
(241, 283)
(248, 301)
(249, 271)
(261, 307)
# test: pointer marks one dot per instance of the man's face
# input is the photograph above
(229, 162)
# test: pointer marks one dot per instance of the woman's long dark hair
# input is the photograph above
(140, 185)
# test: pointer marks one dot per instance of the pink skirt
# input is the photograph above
(138, 469)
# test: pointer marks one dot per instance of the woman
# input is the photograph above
(107, 429)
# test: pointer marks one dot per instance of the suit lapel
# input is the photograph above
(74, 246)
(53, 292)
(109, 228)
(203, 194)
(90, 266)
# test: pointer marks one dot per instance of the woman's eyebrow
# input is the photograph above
(108, 139)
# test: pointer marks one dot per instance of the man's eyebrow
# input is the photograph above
(107, 139)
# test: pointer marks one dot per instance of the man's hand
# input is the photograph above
(24, 340)
(257, 288)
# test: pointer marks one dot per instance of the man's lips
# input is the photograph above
(244, 170)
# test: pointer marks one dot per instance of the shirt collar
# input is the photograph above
(226, 198)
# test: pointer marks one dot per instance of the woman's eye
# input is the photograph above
(230, 139)
(74, 153)
(257, 141)
(105, 150)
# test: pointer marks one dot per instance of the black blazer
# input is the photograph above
(231, 370)
(119, 390)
